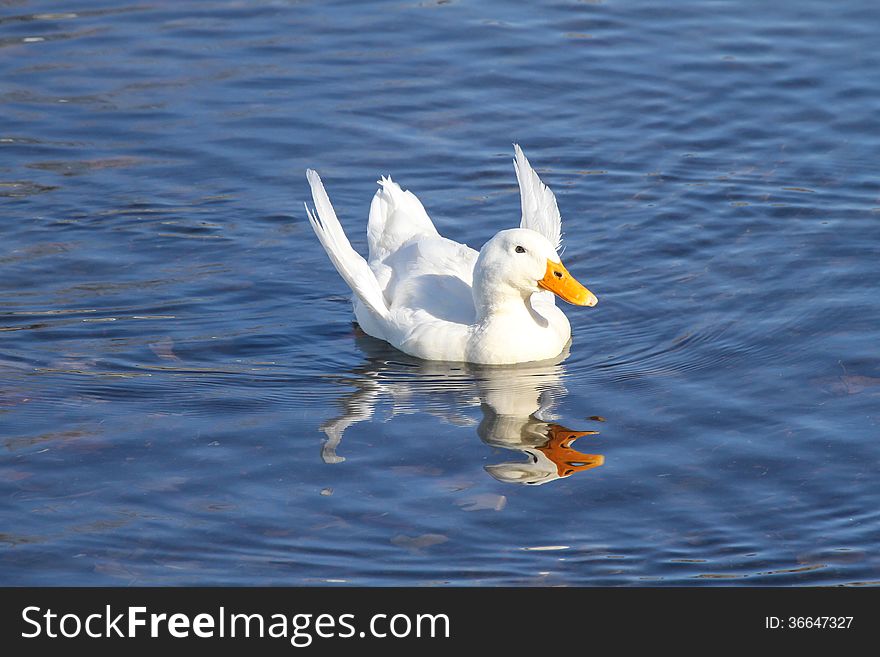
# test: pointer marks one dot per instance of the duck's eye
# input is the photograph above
(519, 249)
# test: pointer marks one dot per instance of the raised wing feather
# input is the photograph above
(348, 262)
(539, 210)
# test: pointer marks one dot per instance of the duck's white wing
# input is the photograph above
(539, 210)
(417, 269)
(348, 262)
(434, 275)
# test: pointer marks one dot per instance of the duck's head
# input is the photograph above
(523, 261)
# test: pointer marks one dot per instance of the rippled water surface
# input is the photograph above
(186, 400)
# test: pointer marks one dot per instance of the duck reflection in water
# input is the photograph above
(517, 405)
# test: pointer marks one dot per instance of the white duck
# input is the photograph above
(436, 299)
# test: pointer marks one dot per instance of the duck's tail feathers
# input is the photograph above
(348, 262)
(396, 217)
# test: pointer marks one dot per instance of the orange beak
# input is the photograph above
(565, 286)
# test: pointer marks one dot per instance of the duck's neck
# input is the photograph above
(493, 298)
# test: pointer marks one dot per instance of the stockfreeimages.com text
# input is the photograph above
(299, 629)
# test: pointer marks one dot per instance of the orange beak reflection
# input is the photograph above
(565, 286)
(567, 459)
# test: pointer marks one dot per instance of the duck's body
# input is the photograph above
(436, 299)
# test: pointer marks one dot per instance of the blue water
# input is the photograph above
(185, 399)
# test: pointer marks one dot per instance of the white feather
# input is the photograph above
(348, 262)
(539, 210)
(396, 217)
